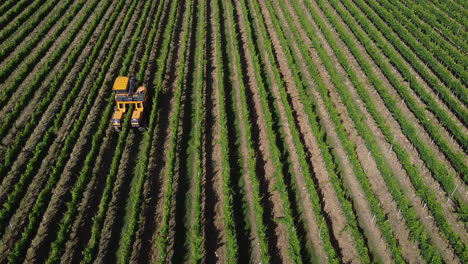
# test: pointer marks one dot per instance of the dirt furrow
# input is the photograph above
(405, 183)
(43, 61)
(399, 137)
(40, 178)
(155, 183)
(364, 213)
(410, 116)
(390, 157)
(41, 242)
(424, 134)
(398, 226)
(151, 188)
(213, 134)
(31, 35)
(116, 219)
(422, 82)
(49, 114)
(157, 162)
(259, 127)
(212, 147)
(332, 205)
(80, 230)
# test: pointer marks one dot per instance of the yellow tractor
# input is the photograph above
(128, 91)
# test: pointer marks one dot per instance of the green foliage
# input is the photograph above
(40, 150)
(234, 59)
(57, 246)
(21, 54)
(170, 156)
(89, 252)
(28, 93)
(142, 162)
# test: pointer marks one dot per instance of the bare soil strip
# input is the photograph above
(259, 125)
(41, 241)
(212, 147)
(422, 132)
(364, 213)
(117, 214)
(35, 137)
(151, 188)
(392, 161)
(332, 205)
(43, 61)
(430, 142)
(441, 104)
(400, 138)
(157, 163)
(282, 236)
(407, 188)
(238, 153)
(41, 176)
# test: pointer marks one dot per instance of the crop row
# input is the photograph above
(415, 226)
(413, 172)
(196, 166)
(28, 93)
(136, 197)
(42, 200)
(170, 156)
(234, 58)
(426, 37)
(294, 244)
(418, 110)
(453, 10)
(449, 28)
(403, 156)
(7, 5)
(419, 27)
(346, 204)
(89, 252)
(12, 12)
(14, 197)
(29, 63)
(405, 92)
(12, 26)
(57, 246)
(348, 145)
(420, 44)
(43, 104)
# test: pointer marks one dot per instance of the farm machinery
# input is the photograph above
(129, 91)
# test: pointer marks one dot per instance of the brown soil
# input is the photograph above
(71, 165)
(49, 77)
(157, 162)
(216, 147)
(391, 158)
(396, 167)
(423, 134)
(34, 138)
(241, 91)
(332, 205)
(41, 177)
(399, 137)
(364, 214)
(276, 201)
(428, 89)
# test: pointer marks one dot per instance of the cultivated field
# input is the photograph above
(293, 131)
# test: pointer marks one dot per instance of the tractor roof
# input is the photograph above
(120, 83)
